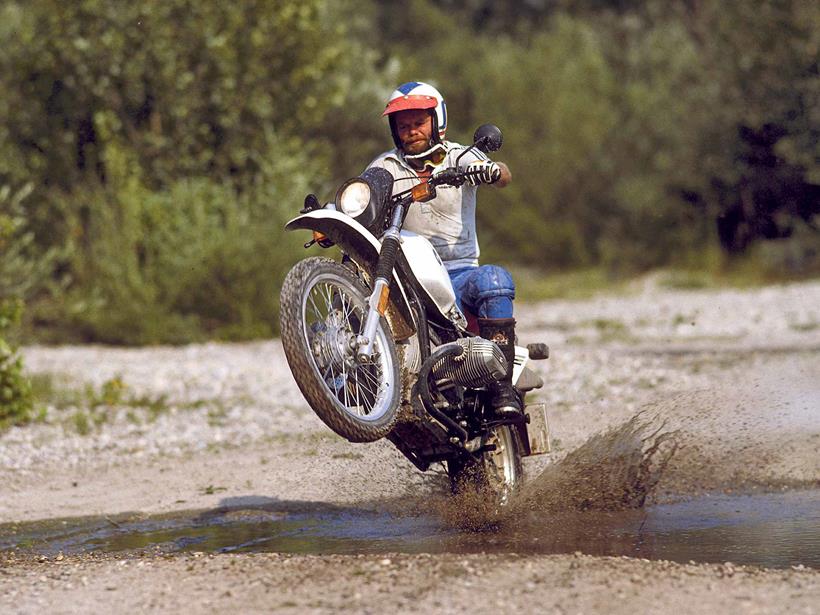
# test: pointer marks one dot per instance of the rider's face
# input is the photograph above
(415, 129)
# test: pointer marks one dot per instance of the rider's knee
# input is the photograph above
(494, 292)
(494, 281)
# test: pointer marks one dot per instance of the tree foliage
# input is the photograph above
(167, 142)
(645, 132)
(164, 143)
(193, 88)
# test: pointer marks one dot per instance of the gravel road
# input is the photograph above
(734, 372)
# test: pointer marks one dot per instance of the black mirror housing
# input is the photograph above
(488, 138)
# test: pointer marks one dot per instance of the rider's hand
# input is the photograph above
(483, 172)
(448, 176)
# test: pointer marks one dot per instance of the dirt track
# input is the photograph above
(735, 373)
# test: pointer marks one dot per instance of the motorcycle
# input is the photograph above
(380, 349)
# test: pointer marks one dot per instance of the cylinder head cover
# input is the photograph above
(481, 363)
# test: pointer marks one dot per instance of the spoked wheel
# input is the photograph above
(495, 474)
(323, 309)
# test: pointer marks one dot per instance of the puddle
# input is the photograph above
(771, 530)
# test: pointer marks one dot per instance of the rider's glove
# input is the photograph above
(483, 172)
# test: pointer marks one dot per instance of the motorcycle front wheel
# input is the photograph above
(323, 306)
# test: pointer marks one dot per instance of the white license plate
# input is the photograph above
(538, 428)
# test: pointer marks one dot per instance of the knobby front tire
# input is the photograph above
(323, 306)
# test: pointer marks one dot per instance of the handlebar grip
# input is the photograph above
(451, 176)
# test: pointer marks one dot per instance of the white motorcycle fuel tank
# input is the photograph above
(431, 274)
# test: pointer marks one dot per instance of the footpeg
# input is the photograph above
(538, 351)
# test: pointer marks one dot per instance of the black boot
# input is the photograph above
(502, 331)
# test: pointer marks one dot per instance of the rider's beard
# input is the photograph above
(416, 147)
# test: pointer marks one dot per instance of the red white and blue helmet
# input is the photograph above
(417, 95)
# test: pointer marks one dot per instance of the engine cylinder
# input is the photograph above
(480, 363)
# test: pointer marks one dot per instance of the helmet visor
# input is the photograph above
(410, 102)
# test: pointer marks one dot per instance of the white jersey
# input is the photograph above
(448, 221)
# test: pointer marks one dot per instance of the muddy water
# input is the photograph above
(771, 530)
(593, 501)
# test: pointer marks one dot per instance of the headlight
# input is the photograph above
(354, 198)
(366, 198)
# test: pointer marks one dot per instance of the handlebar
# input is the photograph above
(451, 176)
(486, 138)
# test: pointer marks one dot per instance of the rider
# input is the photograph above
(418, 122)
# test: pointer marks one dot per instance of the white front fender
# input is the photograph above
(330, 218)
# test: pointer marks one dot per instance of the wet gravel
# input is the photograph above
(423, 583)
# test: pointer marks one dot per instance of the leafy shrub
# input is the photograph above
(24, 267)
(19, 270)
(167, 143)
(197, 260)
(15, 389)
(192, 88)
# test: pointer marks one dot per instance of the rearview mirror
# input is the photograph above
(488, 138)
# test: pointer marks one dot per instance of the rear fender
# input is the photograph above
(360, 245)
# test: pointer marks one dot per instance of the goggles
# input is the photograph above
(431, 157)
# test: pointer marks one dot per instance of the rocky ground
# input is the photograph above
(157, 430)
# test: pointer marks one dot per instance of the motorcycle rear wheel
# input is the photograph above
(323, 306)
(495, 474)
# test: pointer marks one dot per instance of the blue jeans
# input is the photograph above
(487, 291)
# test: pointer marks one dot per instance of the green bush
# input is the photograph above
(192, 88)
(24, 267)
(194, 261)
(15, 389)
(20, 267)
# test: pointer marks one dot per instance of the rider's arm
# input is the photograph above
(506, 176)
(474, 157)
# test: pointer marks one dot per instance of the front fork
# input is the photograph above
(377, 304)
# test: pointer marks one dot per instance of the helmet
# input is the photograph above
(418, 95)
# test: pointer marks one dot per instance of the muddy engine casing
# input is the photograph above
(480, 363)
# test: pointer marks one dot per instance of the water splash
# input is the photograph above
(613, 470)
(470, 510)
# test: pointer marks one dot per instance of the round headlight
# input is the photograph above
(354, 198)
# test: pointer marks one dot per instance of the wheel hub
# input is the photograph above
(333, 342)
